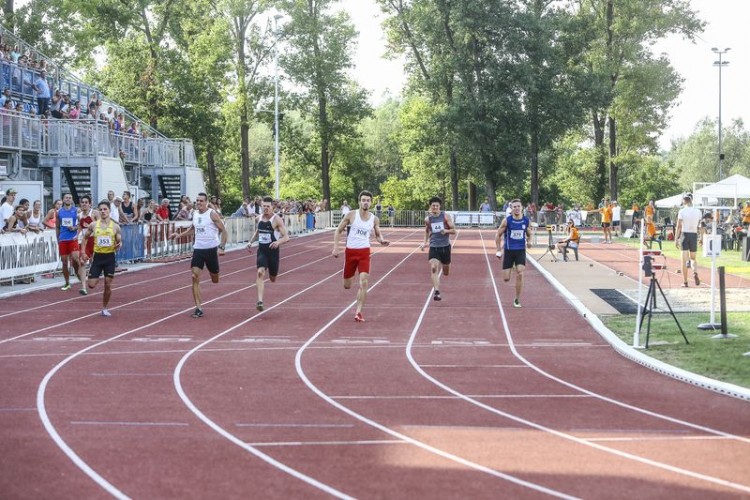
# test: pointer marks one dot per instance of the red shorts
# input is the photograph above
(356, 259)
(67, 247)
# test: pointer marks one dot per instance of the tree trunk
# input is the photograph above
(454, 179)
(490, 191)
(324, 144)
(535, 167)
(213, 181)
(244, 113)
(601, 157)
(612, 155)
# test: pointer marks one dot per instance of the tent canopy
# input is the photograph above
(735, 186)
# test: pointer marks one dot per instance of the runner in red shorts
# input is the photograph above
(67, 242)
(357, 255)
(87, 217)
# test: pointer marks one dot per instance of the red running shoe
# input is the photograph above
(359, 318)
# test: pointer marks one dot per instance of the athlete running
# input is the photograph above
(512, 239)
(271, 233)
(438, 228)
(357, 254)
(107, 239)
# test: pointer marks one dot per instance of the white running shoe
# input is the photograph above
(106, 313)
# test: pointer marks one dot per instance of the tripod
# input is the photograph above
(650, 303)
(550, 246)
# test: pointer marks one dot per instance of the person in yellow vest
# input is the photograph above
(606, 212)
(746, 215)
(107, 240)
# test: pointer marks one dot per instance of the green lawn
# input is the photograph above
(720, 359)
(730, 259)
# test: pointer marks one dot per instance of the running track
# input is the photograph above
(464, 398)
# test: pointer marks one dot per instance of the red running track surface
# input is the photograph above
(467, 397)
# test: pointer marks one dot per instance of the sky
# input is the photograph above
(728, 25)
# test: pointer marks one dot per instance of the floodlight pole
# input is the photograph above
(720, 64)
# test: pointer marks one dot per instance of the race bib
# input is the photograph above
(200, 230)
(437, 227)
(67, 221)
(104, 241)
(516, 234)
(264, 238)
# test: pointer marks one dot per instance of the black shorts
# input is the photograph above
(615, 223)
(689, 242)
(517, 257)
(443, 254)
(606, 224)
(208, 257)
(102, 263)
(268, 258)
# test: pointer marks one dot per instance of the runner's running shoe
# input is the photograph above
(106, 313)
(198, 313)
(259, 305)
(516, 303)
(697, 279)
(437, 295)
(83, 291)
(359, 318)
(66, 287)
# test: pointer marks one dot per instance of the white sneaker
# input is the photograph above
(106, 313)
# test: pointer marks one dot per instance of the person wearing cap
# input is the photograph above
(6, 210)
(686, 237)
(41, 87)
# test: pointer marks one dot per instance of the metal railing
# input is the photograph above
(18, 131)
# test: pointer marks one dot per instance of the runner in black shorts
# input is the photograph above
(270, 234)
(438, 228)
(107, 238)
(205, 257)
(512, 238)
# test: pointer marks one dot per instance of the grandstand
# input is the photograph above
(54, 156)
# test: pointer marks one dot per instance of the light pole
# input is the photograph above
(276, 100)
(720, 64)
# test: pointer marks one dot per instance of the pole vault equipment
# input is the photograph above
(550, 246)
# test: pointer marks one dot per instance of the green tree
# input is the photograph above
(623, 32)
(319, 55)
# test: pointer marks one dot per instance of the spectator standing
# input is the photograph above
(344, 209)
(41, 87)
(163, 211)
(688, 219)
(35, 217)
(129, 208)
(606, 212)
(50, 220)
(391, 215)
(485, 206)
(7, 209)
(14, 223)
(616, 218)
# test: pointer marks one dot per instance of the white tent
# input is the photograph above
(735, 187)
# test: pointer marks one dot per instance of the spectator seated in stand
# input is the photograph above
(571, 241)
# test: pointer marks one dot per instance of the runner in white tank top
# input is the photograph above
(209, 229)
(363, 223)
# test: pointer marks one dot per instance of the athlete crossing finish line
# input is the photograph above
(512, 239)
(357, 253)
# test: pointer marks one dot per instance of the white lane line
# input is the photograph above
(555, 432)
(41, 391)
(388, 430)
(244, 255)
(128, 374)
(328, 443)
(144, 299)
(129, 424)
(228, 435)
(486, 396)
(474, 366)
(659, 438)
(303, 426)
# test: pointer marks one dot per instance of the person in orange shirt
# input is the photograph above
(746, 214)
(650, 211)
(606, 212)
(571, 240)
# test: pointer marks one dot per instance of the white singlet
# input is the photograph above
(690, 216)
(206, 232)
(359, 233)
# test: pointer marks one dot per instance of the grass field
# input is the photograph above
(720, 359)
